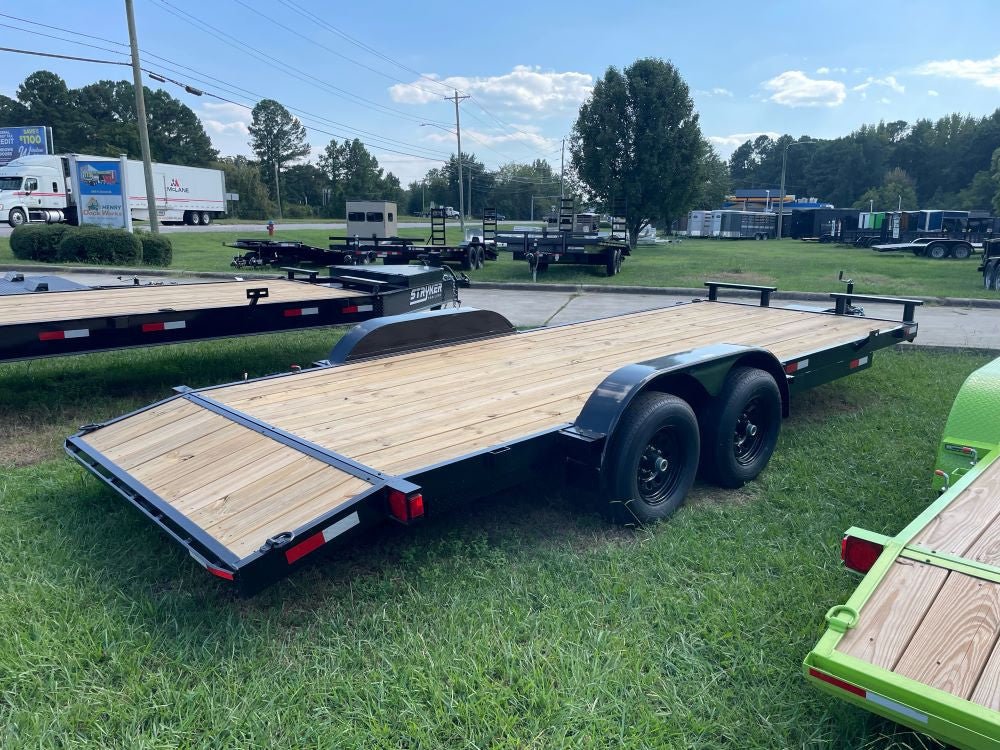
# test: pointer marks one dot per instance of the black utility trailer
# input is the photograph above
(282, 253)
(567, 246)
(930, 247)
(44, 324)
(469, 254)
(254, 477)
(990, 267)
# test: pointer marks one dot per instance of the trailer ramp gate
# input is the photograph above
(241, 474)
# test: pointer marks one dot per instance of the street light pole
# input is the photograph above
(277, 190)
(140, 116)
(784, 164)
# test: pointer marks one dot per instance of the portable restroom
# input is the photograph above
(367, 219)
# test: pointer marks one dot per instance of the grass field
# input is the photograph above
(788, 264)
(522, 622)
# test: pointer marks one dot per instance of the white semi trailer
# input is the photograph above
(39, 189)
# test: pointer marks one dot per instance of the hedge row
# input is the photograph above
(67, 244)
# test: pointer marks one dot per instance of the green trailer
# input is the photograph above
(919, 640)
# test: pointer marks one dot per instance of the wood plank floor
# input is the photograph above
(47, 307)
(941, 627)
(238, 485)
(402, 413)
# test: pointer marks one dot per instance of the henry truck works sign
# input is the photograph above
(24, 141)
(100, 192)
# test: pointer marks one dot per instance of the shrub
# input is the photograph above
(99, 245)
(37, 241)
(156, 249)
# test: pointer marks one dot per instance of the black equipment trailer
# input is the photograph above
(253, 477)
(565, 246)
(931, 247)
(469, 254)
(990, 267)
(44, 324)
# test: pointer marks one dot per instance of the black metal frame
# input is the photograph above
(484, 471)
(107, 332)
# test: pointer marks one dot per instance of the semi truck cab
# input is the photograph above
(33, 188)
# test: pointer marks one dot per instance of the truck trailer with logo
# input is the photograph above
(39, 189)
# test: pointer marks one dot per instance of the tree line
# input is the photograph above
(948, 163)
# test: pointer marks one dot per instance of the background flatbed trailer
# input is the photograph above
(252, 477)
(919, 640)
(46, 324)
(931, 247)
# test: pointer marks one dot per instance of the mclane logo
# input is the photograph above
(175, 187)
(424, 293)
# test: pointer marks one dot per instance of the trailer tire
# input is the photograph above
(469, 259)
(613, 263)
(740, 428)
(480, 258)
(195, 218)
(961, 251)
(991, 277)
(206, 218)
(652, 460)
(937, 250)
(17, 217)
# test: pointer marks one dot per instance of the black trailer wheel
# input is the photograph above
(469, 259)
(195, 218)
(937, 250)
(613, 263)
(991, 277)
(480, 257)
(619, 259)
(741, 427)
(652, 460)
(961, 251)
(206, 218)
(17, 217)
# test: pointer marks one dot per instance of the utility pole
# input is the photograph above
(562, 169)
(140, 116)
(277, 190)
(458, 134)
(471, 212)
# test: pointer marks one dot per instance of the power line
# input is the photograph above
(231, 87)
(291, 70)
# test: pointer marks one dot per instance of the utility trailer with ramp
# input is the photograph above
(931, 247)
(51, 323)
(919, 640)
(253, 477)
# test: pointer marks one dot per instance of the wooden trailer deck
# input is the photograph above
(937, 625)
(404, 413)
(51, 307)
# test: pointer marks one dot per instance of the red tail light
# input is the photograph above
(859, 554)
(405, 507)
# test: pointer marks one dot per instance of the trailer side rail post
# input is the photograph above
(764, 291)
(843, 300)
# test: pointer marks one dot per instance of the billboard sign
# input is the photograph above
(24, 141)
(100, 192)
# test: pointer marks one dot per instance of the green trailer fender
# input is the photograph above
(973, 427)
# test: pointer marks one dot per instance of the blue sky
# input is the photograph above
(371, 70)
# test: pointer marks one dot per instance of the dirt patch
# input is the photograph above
(707, 496)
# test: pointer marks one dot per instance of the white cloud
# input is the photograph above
(793, 88)
(227, 125)
(932, 92)
(526, 134)
(719, 91)
(525, 87)
(888, 81)
(982, 72)
(824, 70)
(726, 144)
(884, 100)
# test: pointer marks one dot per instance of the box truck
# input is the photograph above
(39, 189)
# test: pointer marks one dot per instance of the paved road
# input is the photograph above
(939, 326)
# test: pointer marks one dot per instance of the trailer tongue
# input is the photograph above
(253, 477)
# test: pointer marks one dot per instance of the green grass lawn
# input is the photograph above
(788, 264)
(523, 621)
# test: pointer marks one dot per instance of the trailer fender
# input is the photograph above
(696, 376)
(395, 334)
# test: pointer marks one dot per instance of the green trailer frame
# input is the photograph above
(970, 446)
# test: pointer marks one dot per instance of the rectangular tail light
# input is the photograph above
(859, 554)
(406, 507)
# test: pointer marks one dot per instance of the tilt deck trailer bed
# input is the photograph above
(919, 640)
(43, 324)
(252, 477)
